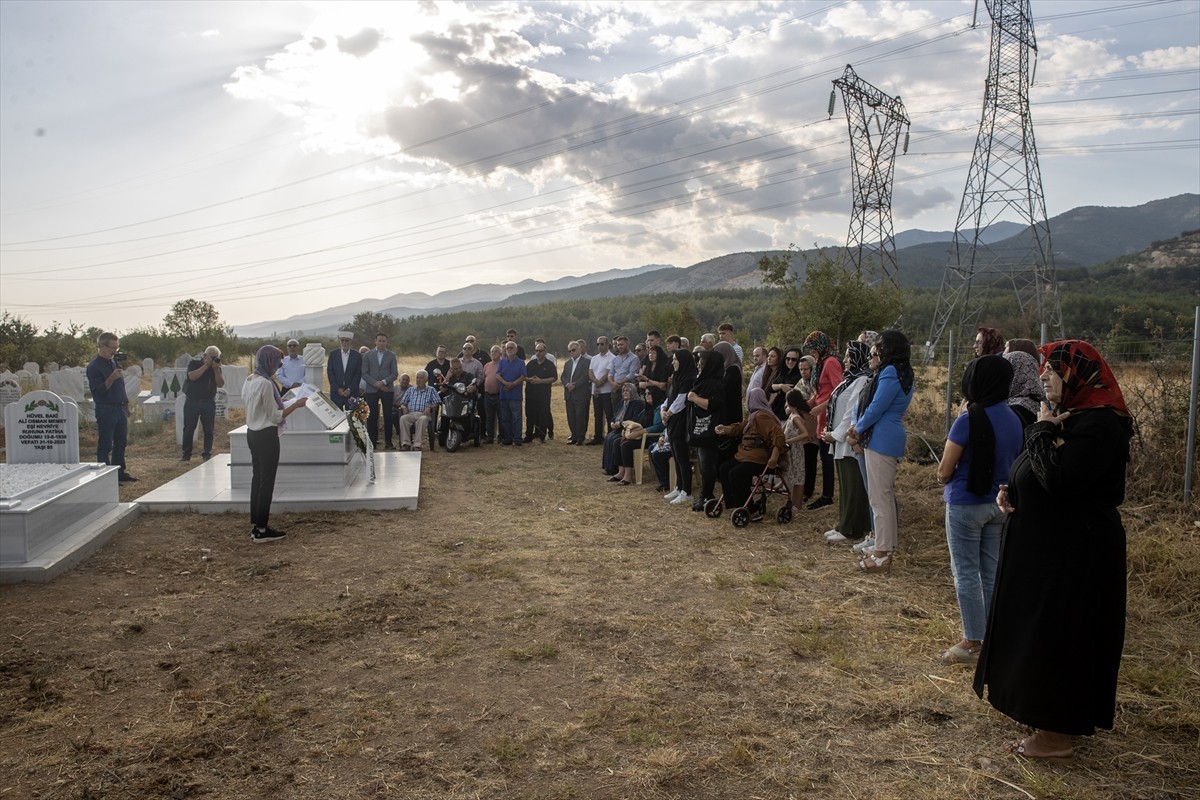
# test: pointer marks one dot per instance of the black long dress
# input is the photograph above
(1057, 624)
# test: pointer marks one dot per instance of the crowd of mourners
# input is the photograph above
(1033, 472)
(1033, 468)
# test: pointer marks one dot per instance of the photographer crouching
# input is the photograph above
(106, 379)
(203, 379)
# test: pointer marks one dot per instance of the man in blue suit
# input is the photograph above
(344, 371)
(380, 370)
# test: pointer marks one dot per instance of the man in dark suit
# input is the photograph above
(577, 391)
(344, 371)
(380, 371)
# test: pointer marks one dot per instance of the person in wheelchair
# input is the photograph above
(762, 445)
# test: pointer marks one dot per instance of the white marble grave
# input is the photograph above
(315, 449)
(52, 366)
(182, 361)
(235, 379)
(222, 404)
(52, 516)
(41, 428)
(26, 379)
(31, 367)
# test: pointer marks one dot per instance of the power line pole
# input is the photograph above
(870, 242)
(1004, 180)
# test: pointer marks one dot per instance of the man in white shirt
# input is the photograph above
(598, 373)
(291, 370)
(725, 331)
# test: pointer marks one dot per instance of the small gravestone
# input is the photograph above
(31, 367)
(133, 386)
(222, 404)
(10, 391)
(44, 381)
(42, 428)
(25, 379)
(69, 383)
(134, 369)
(52, 366)
(235, 379)
(182, 361)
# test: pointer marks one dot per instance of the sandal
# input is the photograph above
(959, 655)
(1018, 748)
(623, 482)
(873, 563)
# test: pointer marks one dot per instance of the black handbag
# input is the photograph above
(701, 428)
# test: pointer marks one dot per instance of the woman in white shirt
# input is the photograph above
(264, 414)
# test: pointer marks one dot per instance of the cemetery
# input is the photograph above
(57, 507)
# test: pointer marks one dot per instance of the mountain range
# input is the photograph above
(1082, 237)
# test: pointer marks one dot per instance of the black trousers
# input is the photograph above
(577, 414)
(380, 404)
(264, 462)
(602, 407)
(737, 477)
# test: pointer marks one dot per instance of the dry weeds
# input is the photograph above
(533, 632)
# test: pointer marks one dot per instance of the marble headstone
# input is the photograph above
(182, 361)
(235, 379)
(42, 428)
(222, 404)
(133, 386)
(52, 366)
(10, 391)
(31, 367)
(26, 379)
(314, 364)
(70, 382)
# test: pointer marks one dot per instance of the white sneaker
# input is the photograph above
(865, 545)
(835, 537)
(671, 495)
(829, 534)
(683, 497)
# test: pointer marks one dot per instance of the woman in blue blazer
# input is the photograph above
(877, 426)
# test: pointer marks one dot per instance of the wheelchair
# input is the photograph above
(766, 483)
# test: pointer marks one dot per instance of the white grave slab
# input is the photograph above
(52, 516)
(133, 386)
(42, 428)
(314, 364)
(222, 404)
(31, 367)
(169, 381)
(52, 366)
(26, 379)
(182, 361)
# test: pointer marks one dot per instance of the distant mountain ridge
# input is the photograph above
(1082, 237)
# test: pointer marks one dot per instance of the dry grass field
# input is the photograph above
(532, 631)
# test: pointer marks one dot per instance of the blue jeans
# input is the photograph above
(510, 420)
(112, 431)
(973, 536)
(204, 412)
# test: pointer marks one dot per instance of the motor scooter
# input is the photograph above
(459, 415)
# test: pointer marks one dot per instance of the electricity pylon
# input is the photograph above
(870, 243)
(1004, 179)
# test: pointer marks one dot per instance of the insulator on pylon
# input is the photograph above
(906, 135)
(832, 100)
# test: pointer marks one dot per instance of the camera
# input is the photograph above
(216, 359)
(120, 357)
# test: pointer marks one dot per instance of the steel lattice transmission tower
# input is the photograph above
(870, 243)
(1004, 180)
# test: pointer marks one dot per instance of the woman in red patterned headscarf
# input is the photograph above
(1057, 626)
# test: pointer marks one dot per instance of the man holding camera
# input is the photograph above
(203, 379)
(106, 379)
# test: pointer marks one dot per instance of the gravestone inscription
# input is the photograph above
(42, 428)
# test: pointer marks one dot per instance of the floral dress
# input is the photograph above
(794, 473)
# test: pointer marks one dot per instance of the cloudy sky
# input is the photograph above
(276, 158)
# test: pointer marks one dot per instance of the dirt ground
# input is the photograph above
(531, 631)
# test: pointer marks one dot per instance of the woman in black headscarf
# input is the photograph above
(676, 420)
(784, 380)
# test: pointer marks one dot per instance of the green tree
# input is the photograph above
(17, 336)
(366, 324)
(195, 320)
(830, 299)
